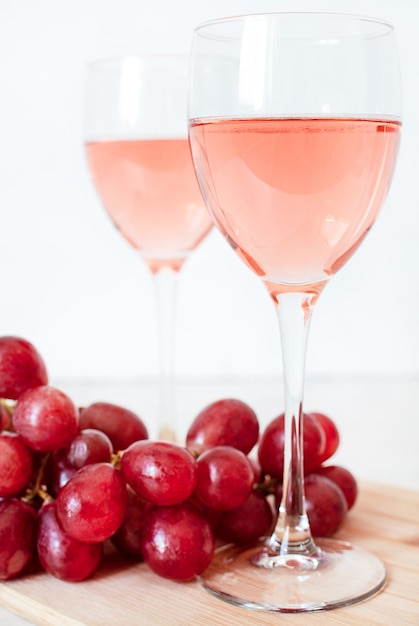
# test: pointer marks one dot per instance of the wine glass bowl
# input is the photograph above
(294, 125)
(136, 140)
(139, 158)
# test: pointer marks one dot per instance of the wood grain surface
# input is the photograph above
(385, 520)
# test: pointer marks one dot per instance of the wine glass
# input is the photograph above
(136, 139)
(294, 124)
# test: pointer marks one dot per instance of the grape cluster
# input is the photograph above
(73, 479)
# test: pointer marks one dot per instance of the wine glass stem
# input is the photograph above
(292, 532)
(165, 288)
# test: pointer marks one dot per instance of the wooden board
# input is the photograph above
(385, 520)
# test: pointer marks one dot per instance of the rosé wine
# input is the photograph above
(149, 189)
(295, 197)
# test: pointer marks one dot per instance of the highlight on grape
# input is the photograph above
(74, 481)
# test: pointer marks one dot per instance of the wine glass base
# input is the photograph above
(339, 575)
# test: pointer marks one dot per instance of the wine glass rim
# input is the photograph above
(387, 26)
(119, 59)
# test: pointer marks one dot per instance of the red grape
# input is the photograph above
(331, 432)
(226, 422)
(16, 464)
(161, 472)
(177, 541)
(58, 472)
(91, 505)
(343, 479)
(279, 492)
(17, 536)
(62, 555)
(45, 418)
(325, 504)
(257, 470)
(225, 478)
(122, 426)
(127, 538)
(21, 367)
(271, 446)
(89, 446)
(247, 523)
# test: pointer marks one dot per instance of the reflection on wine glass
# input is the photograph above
(139, 158)
(294, 130)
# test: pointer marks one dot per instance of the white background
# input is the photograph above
(71, 285)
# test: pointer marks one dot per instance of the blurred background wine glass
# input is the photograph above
(138, 155)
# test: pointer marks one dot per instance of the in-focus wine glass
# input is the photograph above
(136, 139)
(294, 123)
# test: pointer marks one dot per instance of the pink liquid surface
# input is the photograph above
(295, 197)
(150, 191)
